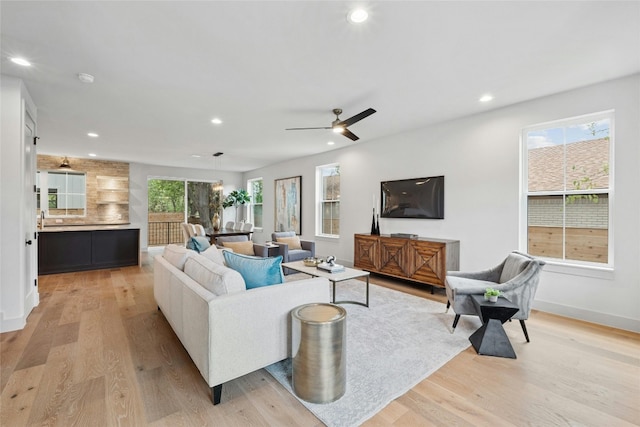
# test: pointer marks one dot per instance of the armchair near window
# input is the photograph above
(242, 245)
(517, 277)
(292, 248)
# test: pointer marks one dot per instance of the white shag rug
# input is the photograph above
(391, 346)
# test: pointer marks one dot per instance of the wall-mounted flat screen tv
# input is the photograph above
(413, 198)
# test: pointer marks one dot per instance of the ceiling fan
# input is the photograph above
(340, 126)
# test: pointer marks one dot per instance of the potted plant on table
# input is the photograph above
(235, 198)
(491, 294)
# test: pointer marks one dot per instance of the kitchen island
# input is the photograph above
(63, 249)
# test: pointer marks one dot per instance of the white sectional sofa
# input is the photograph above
(228, 330)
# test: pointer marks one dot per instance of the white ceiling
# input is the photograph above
(163, 70)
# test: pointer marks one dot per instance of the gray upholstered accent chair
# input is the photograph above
(517, 277)
(290, 255)
(258, 249)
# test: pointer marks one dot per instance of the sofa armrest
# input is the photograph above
(260, 250)
(251, 330)
(491, 275)
(309, 245)
(284, 251)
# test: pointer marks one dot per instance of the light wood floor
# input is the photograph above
(96, 352)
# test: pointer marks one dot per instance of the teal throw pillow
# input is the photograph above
(198, 243)
(256, 271)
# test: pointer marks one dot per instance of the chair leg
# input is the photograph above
(524, 329)
(216, 394)
(448, 305)
(455, 323)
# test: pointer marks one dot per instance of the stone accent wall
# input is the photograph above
(97, 213)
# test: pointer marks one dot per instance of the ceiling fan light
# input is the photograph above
(338, 129)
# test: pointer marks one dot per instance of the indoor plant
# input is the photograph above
(235, 198)
(491, 294)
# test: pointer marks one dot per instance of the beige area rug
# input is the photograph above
(391, 346)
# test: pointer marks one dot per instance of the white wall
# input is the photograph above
(138, 189)
(479, 156)
(15, 302)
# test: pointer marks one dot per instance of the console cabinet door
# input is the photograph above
(366, 252)
(115, 248)
(426, 262)
(393, 257)
(64, 251)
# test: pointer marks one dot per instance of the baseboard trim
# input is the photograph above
(9, 325)
(606, 319)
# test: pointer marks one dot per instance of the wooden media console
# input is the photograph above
(421, 260)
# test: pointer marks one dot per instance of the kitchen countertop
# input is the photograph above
(94, 227)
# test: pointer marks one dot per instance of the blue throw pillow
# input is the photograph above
(198, 243)
(256, 271)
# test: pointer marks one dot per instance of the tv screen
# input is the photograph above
(413, 198)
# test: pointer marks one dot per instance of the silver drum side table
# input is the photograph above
(319, 352)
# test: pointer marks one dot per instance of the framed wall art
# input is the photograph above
(288, 200)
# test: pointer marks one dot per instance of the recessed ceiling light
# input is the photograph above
(85, 78)
(20, 61)
(92, 154)
(357, 16)
(330, 143)
(216, 121)
(486, 98)
(196, 155)
(93, 134)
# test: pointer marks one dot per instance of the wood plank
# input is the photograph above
(37, 349)
(17, 397)
(54, 387)
(90, 351)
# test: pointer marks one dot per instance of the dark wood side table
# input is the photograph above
(491, 339)
(273, 249)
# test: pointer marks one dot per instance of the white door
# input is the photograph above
(29, 213)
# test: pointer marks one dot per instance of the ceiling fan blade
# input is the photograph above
(350, 135)
(308, 128)
(357, 117)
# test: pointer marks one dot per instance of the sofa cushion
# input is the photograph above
(244, 248)
(513, 265)
(198, 243)
(214, 254)
(293, 242)
(256, 271)
(215, 278)
(176, 255)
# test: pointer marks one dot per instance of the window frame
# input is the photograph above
(252, 203)
(564, 265)
(53, 195)
(320, 201)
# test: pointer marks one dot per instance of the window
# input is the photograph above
(172, 201)
(255, 205)
(328, 197)
(65, 194)
(568, 189)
